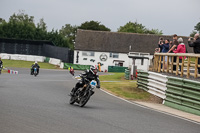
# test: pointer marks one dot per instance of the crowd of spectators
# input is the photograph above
(177, 46)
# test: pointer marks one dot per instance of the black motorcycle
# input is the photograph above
(35, 71)
(82, 95)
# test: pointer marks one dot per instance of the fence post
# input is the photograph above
(168, 64)
(182, 66)
(172, 64)
(188, 68)
(196, 66)
(177, 64)
(159, 66)
(157, 62)
(163, 66)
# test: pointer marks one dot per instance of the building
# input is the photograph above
(113, 48)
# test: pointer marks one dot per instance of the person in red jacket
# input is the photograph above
(180, 49)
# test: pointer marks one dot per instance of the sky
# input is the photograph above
(171, 16)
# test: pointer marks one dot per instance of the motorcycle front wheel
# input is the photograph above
(84, 99)
(72, 100)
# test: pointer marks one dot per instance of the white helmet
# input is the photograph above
(93, 69)
(35, 62)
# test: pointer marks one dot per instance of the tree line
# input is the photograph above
(22, 26)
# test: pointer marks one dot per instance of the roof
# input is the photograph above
(104, 41)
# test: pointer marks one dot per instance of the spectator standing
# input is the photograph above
(165, 48)
(195, 43)
(180, 49)
(160, 42)
(174, 46)
(175, 43)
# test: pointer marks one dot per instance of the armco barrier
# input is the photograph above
(143, 80)
(127, 74)
(182, 94)
(157, 84)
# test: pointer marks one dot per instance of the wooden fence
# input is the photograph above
(164, 62)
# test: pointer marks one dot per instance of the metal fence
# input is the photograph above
(179, 93)
(40, 48)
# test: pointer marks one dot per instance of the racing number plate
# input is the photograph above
(93, 83)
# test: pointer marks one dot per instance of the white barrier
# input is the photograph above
(157, 84)
(5, 56)
(31, 58)
(156, 92)
(18, 57)
(55, 61)
(35, 58)
(158, 77)
(62, 65)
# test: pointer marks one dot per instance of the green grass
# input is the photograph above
(112, 77)
(26, 64)
(123, 88)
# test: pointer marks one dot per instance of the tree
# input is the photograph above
(19, 26)
(196, 29)
(69, 32)
(22, 26)
(93, 25)
(41, 30)
(138, 28)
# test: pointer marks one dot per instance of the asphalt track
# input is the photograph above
(31, 104)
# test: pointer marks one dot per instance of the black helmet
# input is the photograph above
(93, 69)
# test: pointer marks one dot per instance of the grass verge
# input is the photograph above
(123, 88)
(26, 64)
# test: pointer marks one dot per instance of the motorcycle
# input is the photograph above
(72, 72)
(82, 95)
(35, 71)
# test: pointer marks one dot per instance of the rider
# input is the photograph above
(90, 75)
(71, 70)
(1, 64)
(35, 65)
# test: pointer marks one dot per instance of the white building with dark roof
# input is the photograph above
(113, 48)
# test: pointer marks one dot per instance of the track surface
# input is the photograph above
(31, 104)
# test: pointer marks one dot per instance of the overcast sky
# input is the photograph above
(170, 16)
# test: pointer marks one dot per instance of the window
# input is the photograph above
(114, 55)
(88, 53)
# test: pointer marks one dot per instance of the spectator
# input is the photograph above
(165, 49)
(175, 44)
(170, 46)
(180, 49)
(195, 43)
(160, 42)
(165, 46)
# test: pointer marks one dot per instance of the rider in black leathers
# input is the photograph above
(89, 75)
(1, 64)
(35, 65)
